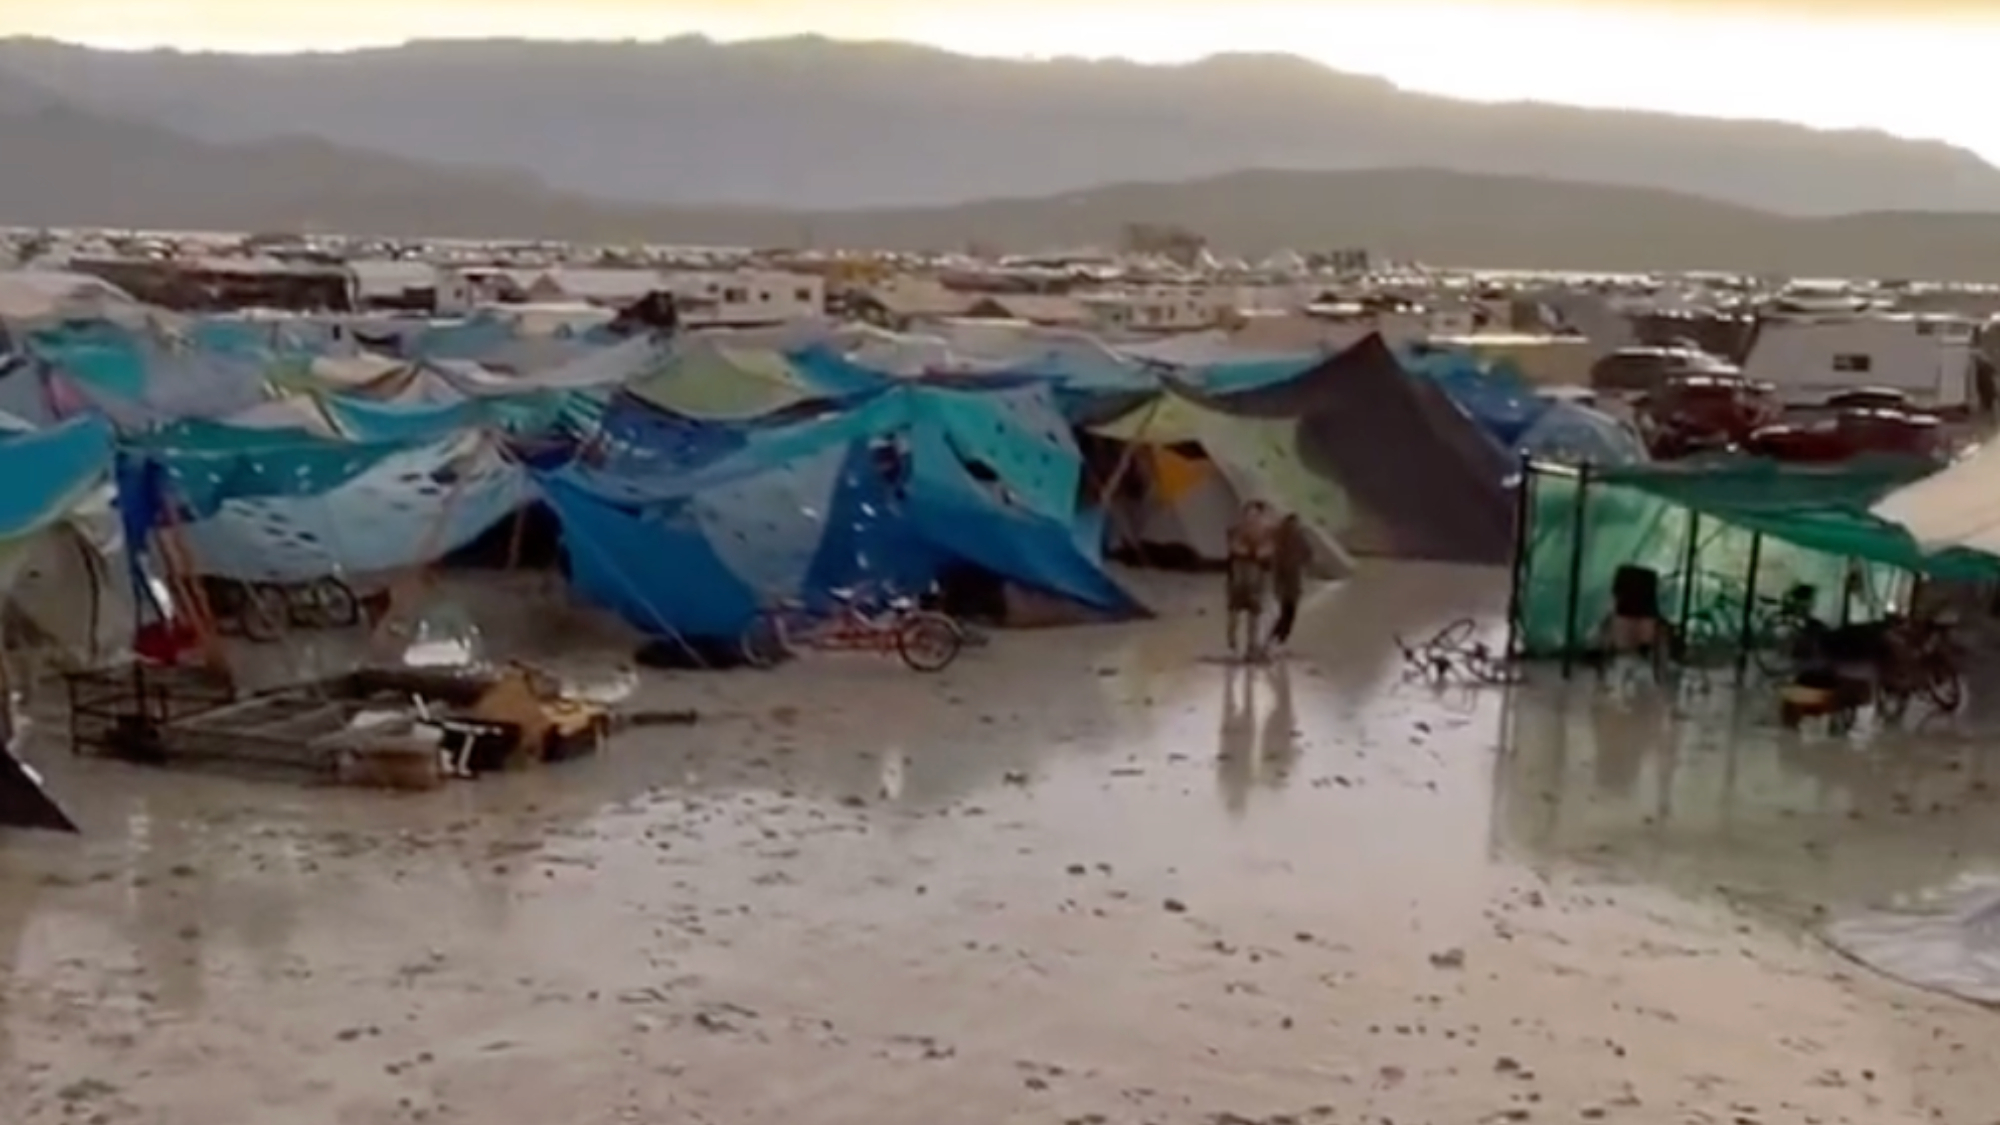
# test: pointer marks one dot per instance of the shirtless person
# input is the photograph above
(1249, 576)
(1290, 555)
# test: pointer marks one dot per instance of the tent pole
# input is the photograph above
(1131, 451)
(1114, 517)
(1749, 606)
(1690, 559)
(177, 565)
(1575, 606)
(515, 535)
(1518, 578)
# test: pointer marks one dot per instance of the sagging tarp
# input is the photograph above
(287, 506)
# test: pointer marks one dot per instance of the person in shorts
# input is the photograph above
(1249, 577)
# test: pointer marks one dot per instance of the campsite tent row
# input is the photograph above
(791, 504)
(1173, 438)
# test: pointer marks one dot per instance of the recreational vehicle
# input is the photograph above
(1929, 359)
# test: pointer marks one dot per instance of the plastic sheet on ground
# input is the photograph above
(24, 803)
(1947, 941)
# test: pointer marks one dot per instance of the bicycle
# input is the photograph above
(261, 611)
(926, 641)
(1452, 654)
(1782, 630)
(1922, 659)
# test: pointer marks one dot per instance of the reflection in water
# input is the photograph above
(1279, 749)
(1253, 751)
(1236, 753)
(1714, 793)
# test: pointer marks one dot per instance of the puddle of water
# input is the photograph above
(1081, 873)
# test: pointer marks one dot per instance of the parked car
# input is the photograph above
(1853, 433)
(1692, 413)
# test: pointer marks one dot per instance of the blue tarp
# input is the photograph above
(695, 525)
(205, 464)
(1575, 435)
(830, 373)
(1494, 395)
(46, 472)
(287, 506)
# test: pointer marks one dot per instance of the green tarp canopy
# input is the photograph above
(1695, 524)
(1825, 509)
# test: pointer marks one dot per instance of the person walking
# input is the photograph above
(1290, 555)
(1248, 578)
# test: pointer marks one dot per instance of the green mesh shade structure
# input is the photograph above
(1701, 527)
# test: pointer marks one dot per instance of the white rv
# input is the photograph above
(1811, 358)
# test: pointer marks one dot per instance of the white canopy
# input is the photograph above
(1959, 507)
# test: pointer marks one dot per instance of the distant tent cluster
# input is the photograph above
(689, 479)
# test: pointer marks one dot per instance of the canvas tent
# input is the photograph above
(51, 473)
(1411, 475)
(1373, 460)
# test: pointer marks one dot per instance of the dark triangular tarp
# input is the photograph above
(23, 802)
(1425, 481)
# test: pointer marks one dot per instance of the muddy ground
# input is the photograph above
(1089, 875)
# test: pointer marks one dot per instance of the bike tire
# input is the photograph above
(330, 603)
(226, 602)
(1453, 638)
(264, 611)
(765, 642)
(1946, 690)
(1775, 652)
(929, 642)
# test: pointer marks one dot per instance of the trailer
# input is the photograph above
(1931, 360)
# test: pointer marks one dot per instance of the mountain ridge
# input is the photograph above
(813, 123)
(70, 165)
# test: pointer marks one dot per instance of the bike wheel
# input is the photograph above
(928, 642)
(326, 603)
(765, 642)
(264, 610)
(1453, 638)
(1946, 689)
(226, 604)
(1775, 652)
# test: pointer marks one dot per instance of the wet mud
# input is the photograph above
(1089, 875)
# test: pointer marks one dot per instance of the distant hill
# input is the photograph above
(813, 123)
(67, 166)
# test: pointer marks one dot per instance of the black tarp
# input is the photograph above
(24, 804)
(1425, 482)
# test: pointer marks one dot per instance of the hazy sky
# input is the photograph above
(1916, 67)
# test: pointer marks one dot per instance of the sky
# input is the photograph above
(1914, 67)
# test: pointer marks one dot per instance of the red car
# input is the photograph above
(1695, 412)
(1853, 433)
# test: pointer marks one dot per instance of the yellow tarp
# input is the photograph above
(1174, 475)
(718, 382)
(1164, 421)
